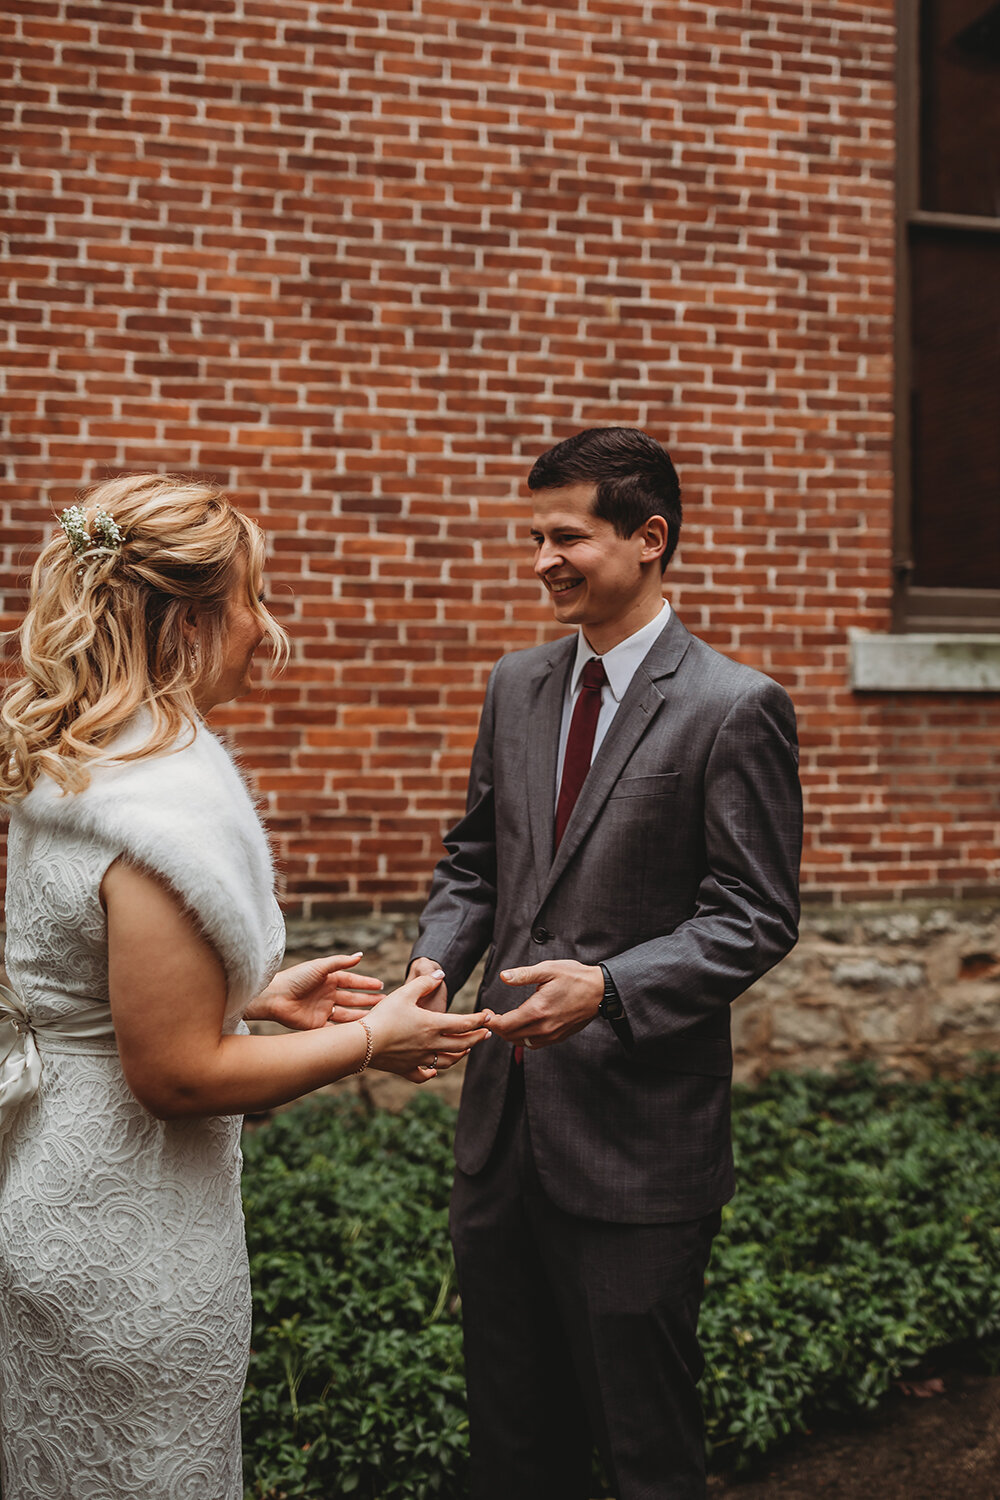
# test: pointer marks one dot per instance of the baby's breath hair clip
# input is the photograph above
(104, 534)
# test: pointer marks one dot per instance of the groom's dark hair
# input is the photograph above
(634, 475)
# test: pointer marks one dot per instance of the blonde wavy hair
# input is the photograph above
(105, 630)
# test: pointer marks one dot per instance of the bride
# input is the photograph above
(141, 931)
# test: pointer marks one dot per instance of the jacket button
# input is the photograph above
(540, 934)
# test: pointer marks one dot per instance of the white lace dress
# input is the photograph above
(124, 1289)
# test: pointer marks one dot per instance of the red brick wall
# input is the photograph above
(361, 263)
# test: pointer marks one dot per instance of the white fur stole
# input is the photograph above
(187, 817)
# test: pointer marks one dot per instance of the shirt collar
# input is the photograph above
(622, 660)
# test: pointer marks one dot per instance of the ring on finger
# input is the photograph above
(434, 1061)
(528, 1043)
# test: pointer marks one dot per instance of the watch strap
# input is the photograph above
(611, 1007)
(613, 1011)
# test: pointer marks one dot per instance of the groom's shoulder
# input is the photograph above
(534, 659)
(718, 679)
(722, 668)
(725, 682)
(516, 675)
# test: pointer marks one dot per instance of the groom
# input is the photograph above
(629, 858)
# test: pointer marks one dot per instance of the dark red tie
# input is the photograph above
(579, 749)
(580, 741)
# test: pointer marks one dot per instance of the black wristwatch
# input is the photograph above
(611, 1007)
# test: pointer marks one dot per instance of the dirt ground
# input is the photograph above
(945, 1446)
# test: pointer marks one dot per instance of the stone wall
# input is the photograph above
(914, 987)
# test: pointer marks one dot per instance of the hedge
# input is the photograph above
(865, 1233)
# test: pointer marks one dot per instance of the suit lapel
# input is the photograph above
(541, 732)
(642, 702)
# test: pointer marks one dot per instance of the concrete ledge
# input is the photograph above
(924, 663)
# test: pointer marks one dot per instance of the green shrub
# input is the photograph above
(355, 1384)
(865, 1232)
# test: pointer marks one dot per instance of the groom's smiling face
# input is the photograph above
(593, 576)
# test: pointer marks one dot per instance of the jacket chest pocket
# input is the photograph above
(663, 785)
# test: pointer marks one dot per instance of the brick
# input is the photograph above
(364, 292)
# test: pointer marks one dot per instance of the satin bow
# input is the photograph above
(20, 1064)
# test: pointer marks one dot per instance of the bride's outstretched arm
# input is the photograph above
(168, 998)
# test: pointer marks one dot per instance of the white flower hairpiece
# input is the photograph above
(104, 534)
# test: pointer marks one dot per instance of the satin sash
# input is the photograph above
(88, 1029)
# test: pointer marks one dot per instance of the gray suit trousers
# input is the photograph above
(576, 1330)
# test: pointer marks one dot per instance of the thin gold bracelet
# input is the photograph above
(369, 1050)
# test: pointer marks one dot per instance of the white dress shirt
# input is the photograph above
(620, 664)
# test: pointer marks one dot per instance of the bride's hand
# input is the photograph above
(309, 995)
(416, 1043)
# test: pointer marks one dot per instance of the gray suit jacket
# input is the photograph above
(678, 869)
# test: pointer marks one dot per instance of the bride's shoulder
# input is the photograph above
(190, 781)
(186, 815)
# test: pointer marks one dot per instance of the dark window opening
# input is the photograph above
(955, 468)
(948, 444)
(960, 107)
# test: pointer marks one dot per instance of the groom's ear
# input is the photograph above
(655, 534)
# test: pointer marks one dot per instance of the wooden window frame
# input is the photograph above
(916, 608)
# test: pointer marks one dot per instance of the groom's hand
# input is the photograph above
(437, 999)
(565, 1001)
